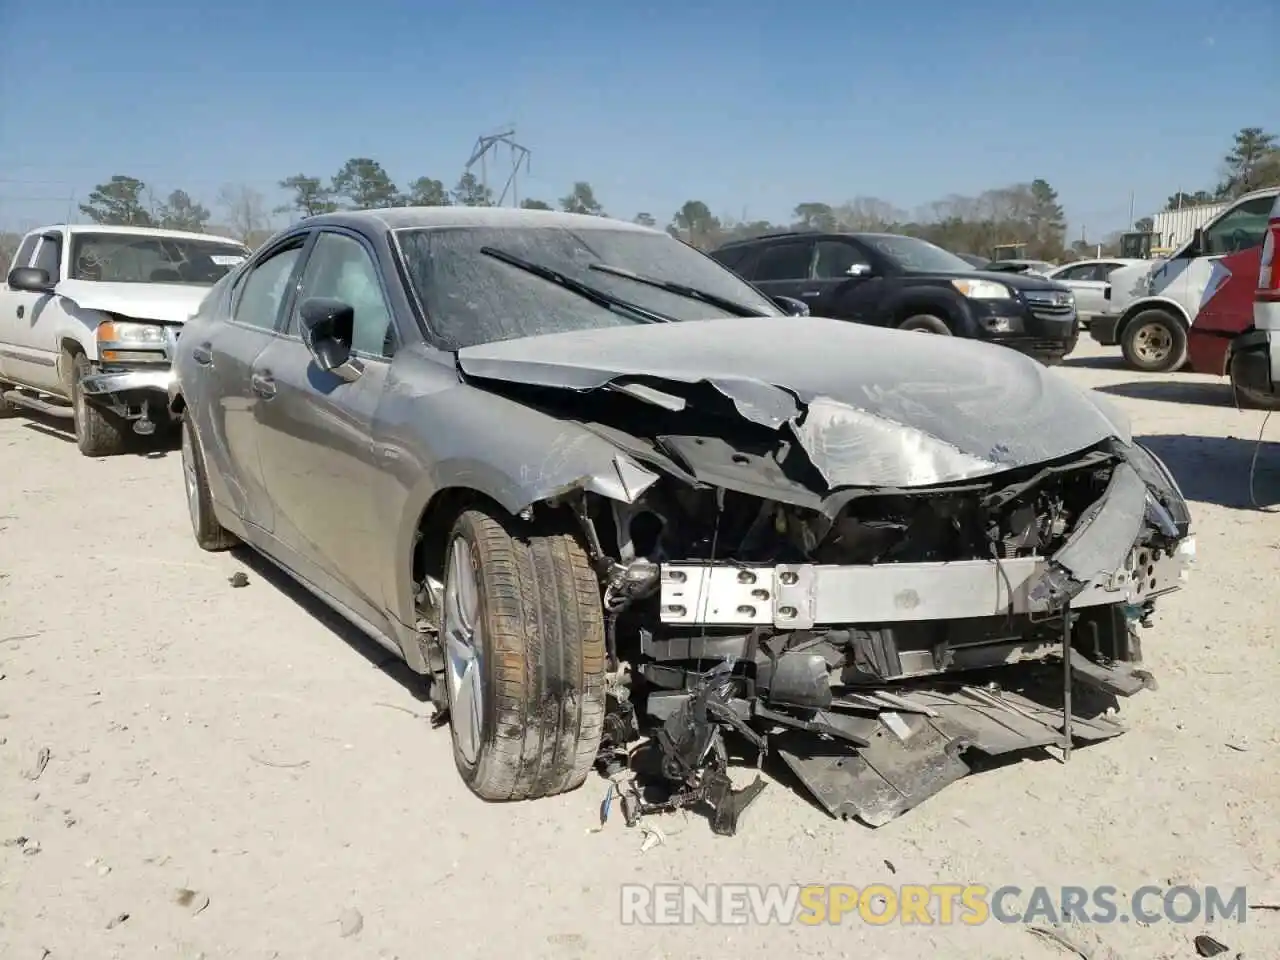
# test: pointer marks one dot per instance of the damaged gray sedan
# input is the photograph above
(593, 485)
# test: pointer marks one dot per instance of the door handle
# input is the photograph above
(263, 384)
(812, 293)
(22, 308)
(202, 354)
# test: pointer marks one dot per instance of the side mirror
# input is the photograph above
(792, 307)
(858, 269)
(328, 327)
(1197, 242)
(31, 280)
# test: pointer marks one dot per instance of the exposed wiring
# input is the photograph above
(1253, 467)
(705, 584)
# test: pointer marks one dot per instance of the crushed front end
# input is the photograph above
(134, 371)
(876, 569)
(875, 640)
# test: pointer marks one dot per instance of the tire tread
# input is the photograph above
(545, 630)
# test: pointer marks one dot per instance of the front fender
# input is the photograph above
(458, 437)
(79, 325)
(1152, 303)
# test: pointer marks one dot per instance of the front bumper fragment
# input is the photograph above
(126, 391)
(802, 596)
(1102, 327)
(127, 381)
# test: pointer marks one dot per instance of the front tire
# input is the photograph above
(1155, 341)
(99, 433)
(210, 535)
(926, 323)
(522, 629)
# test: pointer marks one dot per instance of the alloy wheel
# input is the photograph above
(462, 633)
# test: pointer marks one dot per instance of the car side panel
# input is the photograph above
(320, 472)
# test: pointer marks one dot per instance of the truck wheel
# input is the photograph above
(522, 629)
(99, 433)
(926, 323)
(1155, 341)
(210, 535)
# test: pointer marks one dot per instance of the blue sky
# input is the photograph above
(751, 107)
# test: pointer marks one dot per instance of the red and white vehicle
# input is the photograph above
(1253, 361)
(1168, 312)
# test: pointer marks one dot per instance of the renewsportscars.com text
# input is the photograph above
(925, 904)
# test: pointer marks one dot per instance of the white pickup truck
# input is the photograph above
(88, 319)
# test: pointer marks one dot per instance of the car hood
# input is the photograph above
(165, 302)
(1018, 281)
(870, 407)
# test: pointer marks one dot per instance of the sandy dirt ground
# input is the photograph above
(244, 746)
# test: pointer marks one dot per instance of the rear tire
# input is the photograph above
(926, 323)
(1246, 399)
(209, 533)
(99, 433)
(1155, 341)
(527, 702)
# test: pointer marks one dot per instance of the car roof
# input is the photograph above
(86, 228)
(820, 235)
(1092, 260)
(406, 218)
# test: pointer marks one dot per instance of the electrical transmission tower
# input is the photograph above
(490, 147)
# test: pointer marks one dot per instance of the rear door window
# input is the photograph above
(835, 257)
(732, 257)
(784, 261)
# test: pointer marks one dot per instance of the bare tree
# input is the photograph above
(246, 210)
(868, 213)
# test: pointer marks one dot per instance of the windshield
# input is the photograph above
(917, 256)
(473, 298)
(138, 258)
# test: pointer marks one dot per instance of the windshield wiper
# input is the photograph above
(680, 289)
(584, 290)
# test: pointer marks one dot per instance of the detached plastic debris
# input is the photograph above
(693, 759)
(37, 767)
(1206, 946)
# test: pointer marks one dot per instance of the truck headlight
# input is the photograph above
(129, 334)
(127, 341)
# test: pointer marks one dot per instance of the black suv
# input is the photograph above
(895, 281)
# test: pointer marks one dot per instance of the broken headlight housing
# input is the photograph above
(1153, 470)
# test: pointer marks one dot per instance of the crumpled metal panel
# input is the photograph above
(873, 407)
(1101, 542)
(913, 755)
